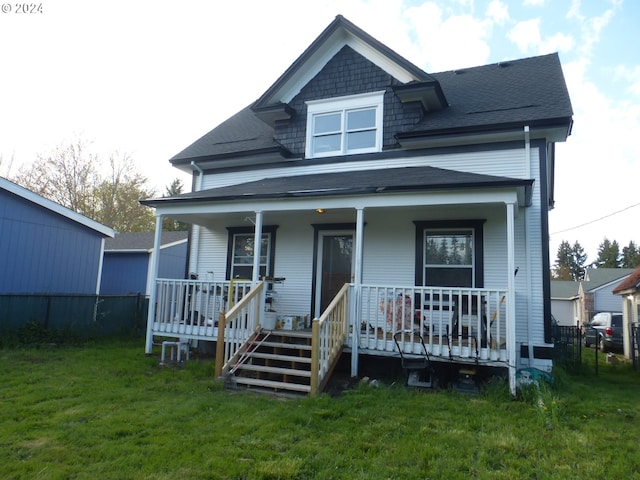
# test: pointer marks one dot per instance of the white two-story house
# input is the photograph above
(392, 206)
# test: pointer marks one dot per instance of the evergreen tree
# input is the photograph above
(608, 254)
(169, 224)
(570, 262)
(630, 256)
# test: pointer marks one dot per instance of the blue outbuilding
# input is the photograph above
(127, 261)
(46, 248)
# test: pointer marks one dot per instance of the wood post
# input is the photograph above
(222, 320)
(315, 356)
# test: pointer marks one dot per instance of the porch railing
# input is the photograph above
(237, 327)
(329, 333)
(190, 308)
(468, 323)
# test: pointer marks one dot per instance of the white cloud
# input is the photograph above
(446, 44)
(498, 12)
(526, 35)
(631, 76)
(591, 27)
(596, 168)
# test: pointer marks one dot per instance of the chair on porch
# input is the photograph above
(467, 306)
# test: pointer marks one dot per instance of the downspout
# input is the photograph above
(357, 287)
(195, 229)
(100, 264)
(527, 157)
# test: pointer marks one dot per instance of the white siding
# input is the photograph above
(508, 163)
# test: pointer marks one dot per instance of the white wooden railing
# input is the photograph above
(237, 327)
(329, 333)
(190, 308)
(468, 323)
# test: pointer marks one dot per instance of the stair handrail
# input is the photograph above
(237, 327)
(328, 334)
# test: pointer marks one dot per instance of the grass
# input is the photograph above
(106, 410)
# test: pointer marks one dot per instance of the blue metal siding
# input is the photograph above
(173, 261)
(124, 273)
(43, 252)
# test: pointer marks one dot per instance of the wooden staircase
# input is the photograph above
(277, 361)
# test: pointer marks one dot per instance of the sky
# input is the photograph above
(146, 78)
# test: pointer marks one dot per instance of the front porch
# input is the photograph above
(457, 325)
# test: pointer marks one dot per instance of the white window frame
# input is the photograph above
(342, 105)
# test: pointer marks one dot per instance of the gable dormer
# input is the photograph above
(346, 94)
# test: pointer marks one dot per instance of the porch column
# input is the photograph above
(357, 282)
(257, 243)
(153, 293)
(511, 304)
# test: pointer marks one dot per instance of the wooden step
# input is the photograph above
(255, 382)
(276, 370)
(306, 334)
(292, 346)
(276, 356)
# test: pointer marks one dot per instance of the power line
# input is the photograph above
(596, 220)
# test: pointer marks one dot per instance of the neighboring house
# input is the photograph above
(629, 289)
(127, 261)
(565, 305)
(596, 291)
(421, 192)
(46, 248)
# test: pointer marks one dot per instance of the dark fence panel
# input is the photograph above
(567, 345)
(79, 316)
(635, 344)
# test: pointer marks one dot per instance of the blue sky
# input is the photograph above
(147, 78)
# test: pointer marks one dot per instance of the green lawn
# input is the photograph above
(108, 411)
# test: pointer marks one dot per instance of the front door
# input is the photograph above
(335, 264)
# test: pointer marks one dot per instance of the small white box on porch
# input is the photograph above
(269, 320)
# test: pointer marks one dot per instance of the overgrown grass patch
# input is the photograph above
(105, 410)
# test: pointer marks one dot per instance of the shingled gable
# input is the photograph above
(417, 85)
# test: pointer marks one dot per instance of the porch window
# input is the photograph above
(449, 254)
(241, 250)
(344, 125)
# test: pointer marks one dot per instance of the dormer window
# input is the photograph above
(344, 125)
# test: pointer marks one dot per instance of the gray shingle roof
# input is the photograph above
(379, 181)
(141, 240)
(528, 91)
(566, 289)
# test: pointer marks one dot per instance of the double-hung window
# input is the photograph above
(448, 258)
(449, 253)
(241, 251)
(344, 125)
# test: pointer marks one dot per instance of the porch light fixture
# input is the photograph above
(320, 210)
(629, 297)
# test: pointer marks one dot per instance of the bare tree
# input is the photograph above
(69, 176)
(118, 195)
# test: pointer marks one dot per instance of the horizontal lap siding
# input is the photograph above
(507, 162)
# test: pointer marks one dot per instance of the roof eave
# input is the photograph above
(553, 131)
(231, 159)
